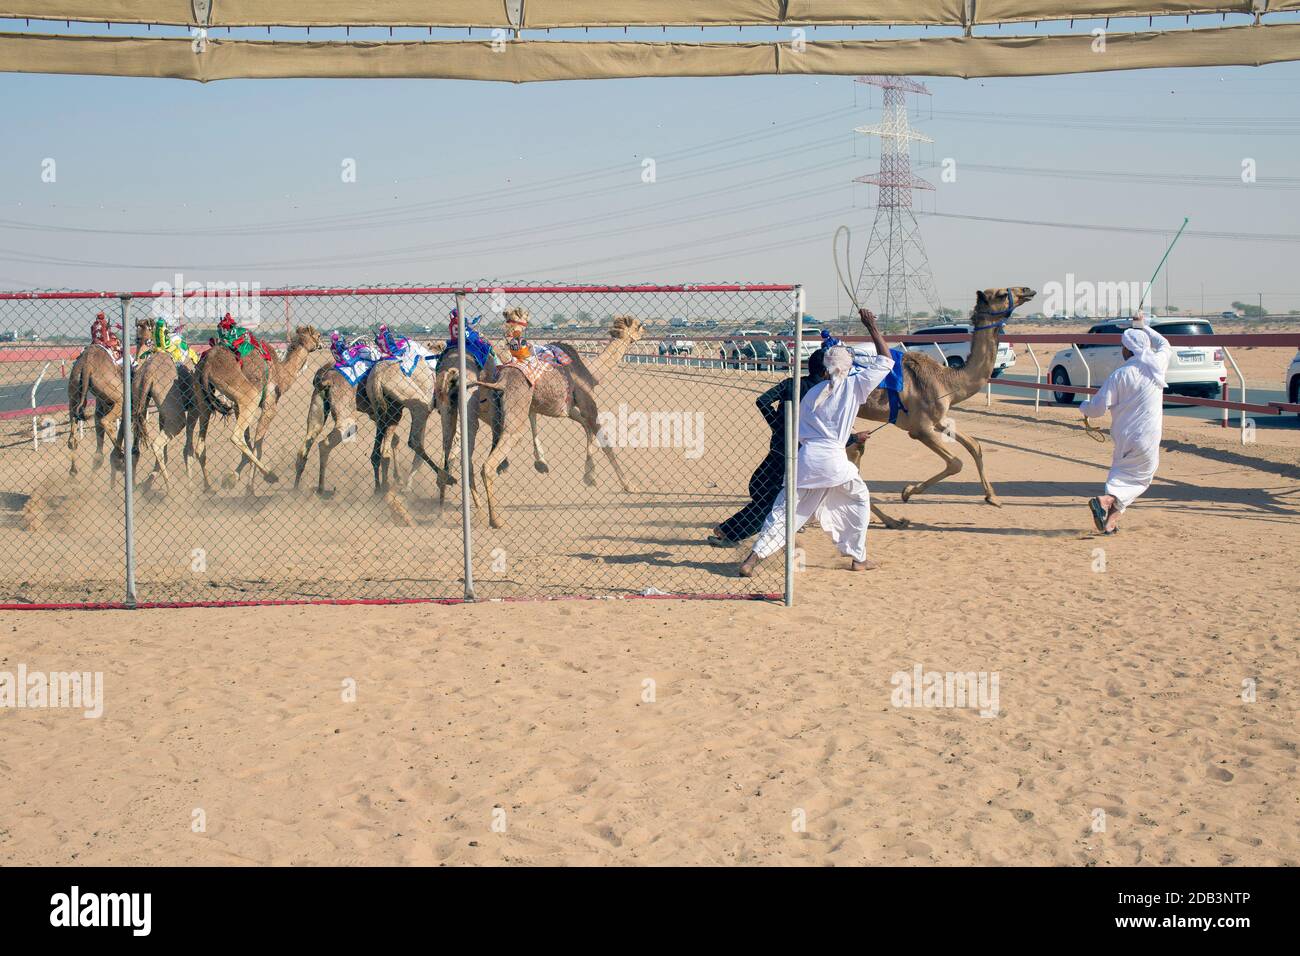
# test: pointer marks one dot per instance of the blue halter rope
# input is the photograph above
(1003, 315)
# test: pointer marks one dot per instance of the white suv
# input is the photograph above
(1192, 370)
(957, 354)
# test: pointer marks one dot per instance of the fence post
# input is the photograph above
(462, 413)
(792, 445)
(128, 470)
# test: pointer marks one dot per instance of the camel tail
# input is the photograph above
(378, 400)
(140, 409)
(78, 391)
(213, 398)
(449, 388)
(578, 368)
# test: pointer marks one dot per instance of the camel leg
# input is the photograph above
(976, 450)
(159, 449)
(449, 418)
(113, 420)
(506, 429)
(952, 464)
(584, 411)
(239, 438)
(395, 464)
(415, 441)
(98, 462)
(471, 423)
(199, 441)
(334, 438)
(539, 456)
(854, 454)
(265, 416)
(72, 440)
(317, 416)
(191, 420)
(377, 457)
(385, 446)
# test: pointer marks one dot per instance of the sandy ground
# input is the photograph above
(528, 733)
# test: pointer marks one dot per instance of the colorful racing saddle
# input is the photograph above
(536, 361)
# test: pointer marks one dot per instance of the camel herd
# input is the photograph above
(248, 391)
(500, 396)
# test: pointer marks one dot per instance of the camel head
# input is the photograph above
(516, 322)
(143, 330)
(307, 337)
(1000, 303)
(626, 327)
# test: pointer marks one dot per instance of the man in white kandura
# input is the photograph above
(829, 484)
(1133, 394)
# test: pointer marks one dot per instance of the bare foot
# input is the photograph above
(864, 566)
(746, 569)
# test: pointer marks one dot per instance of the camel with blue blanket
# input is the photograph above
(928, 389)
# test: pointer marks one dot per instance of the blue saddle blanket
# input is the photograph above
(355, 370)
(892, 383)
(478, 348)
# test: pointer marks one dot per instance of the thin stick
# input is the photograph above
(1151, 284)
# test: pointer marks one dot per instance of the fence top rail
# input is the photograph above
(242, 290)
(1260, 339)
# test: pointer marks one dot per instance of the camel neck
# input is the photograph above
(287, 371)
(611, 355)
(983, 352)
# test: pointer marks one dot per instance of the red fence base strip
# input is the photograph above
(29, 412)
(376, 602)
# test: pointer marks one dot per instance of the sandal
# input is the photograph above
(1098, 514)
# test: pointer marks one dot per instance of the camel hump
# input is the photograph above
(577, 366)
(919, 360)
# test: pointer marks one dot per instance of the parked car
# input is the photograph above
(739, 350)
(675, 343)
(957, 354)
(1192, 371)
(809, 344)
(1293, 380)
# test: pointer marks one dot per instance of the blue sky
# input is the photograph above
(457, 181)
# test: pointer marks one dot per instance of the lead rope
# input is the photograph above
(1096, 434)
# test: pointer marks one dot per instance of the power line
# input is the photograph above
(1161, 179)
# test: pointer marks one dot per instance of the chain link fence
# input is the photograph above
(603, 453)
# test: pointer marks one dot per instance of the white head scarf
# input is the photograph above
(1144, 358)
(839, 362)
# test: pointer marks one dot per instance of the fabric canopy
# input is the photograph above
(560, 14)
(520, 61)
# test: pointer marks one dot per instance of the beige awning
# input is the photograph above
(560, 14)
(522, 61)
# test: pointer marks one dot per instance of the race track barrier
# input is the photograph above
(686, 436)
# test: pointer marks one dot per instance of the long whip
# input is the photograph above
(848, 290)
(1152, 283)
